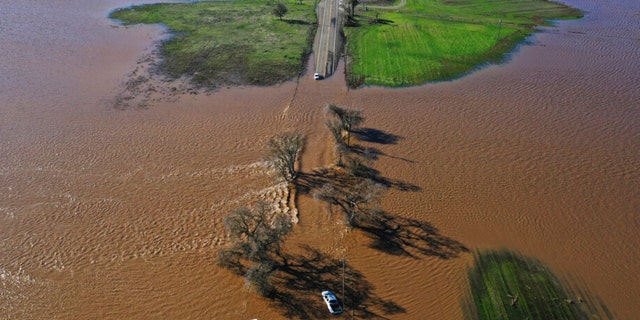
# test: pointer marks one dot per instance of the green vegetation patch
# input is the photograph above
(430, 40)
(507, 286)
(230, 43)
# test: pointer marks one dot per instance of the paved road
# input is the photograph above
(328, 40)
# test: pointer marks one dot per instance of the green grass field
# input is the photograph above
(230, 43)
(505, 285)
(430, 40)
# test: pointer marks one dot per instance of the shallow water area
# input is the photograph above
(117, 214)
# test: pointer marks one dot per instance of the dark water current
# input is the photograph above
(116, 214)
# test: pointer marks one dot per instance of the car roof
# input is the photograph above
(328, 295)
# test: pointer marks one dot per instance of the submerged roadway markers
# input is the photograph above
(328, 39)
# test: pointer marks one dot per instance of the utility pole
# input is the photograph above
(353, 309)
(499, 29)
(343, 297)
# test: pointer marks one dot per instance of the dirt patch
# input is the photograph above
(149, 84)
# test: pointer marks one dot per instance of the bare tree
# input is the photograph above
(340, 150)
(255, 238)
(357, 166)
(352, 119)
(335, 110)
(257, 232)
(354, 200)
(349, 118)
(258, 277)
(282, 152)
(335, 127)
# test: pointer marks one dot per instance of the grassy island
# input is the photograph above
(430, 40)
(505, 285)
(230, 43)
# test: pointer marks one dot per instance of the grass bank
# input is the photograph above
(507, 286)
(230, 43)
(430, 40)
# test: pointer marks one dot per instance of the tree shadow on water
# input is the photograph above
(408, 237)
(301, 279)
(306, 183)
(376, 136)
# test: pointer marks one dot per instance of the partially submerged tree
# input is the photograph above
(257, 232)
(352, 119)
(335, 110)
(335, 127)
(280, 10)
(355, 200)
(282, 152)
(349, 119)
(357, 166)
(258, 277)
(255, 238)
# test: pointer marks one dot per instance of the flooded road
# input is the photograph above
(117, 214)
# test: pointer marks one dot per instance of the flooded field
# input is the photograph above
(116, 212)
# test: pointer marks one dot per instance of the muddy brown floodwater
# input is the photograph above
(116, 214)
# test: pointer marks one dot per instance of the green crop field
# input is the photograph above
(230, 43)
(430, 40)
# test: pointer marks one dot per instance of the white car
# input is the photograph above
(332, 302)
(317, 76)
